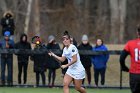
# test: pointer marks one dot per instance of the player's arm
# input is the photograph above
(123, 56)
(61, 59)
(74, 59)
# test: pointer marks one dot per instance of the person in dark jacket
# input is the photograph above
(100, 62)
(73, 41)
(7, 59)
(52, 63)
(7, 23)
(22, 58)
(39, 62)
(86, 59)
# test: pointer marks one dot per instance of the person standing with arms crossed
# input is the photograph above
(76, 71)
(132, 48)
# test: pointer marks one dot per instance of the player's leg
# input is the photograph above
(78, 83)
(135, 83)
(66, 82)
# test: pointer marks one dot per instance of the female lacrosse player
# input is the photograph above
(76, 71)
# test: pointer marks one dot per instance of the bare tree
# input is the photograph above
(3, 5)
(118, 16)
(37, 17)
(28, 14)
(114, 6)
(122, 9)
(92, 17)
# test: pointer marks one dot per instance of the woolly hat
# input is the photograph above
(51, 37)
(84, 37)
(6, 33)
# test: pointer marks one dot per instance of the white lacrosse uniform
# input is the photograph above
(75, 70)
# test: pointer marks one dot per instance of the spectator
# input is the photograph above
(132, 48)
(100, 62)
(7, 59)
(7, 23)
(39, 63)
(52, 63)
(22, 58)
(86, 59)
(73, 41)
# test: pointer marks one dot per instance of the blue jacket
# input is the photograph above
(3, 46)
(99, 61)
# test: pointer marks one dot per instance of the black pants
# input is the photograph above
(88, 73)
(22, 67)
(51, 76)
(98, 72)
(38, 78)
(135, 83)
(64, 71)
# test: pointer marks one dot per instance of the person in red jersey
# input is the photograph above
(132, 48)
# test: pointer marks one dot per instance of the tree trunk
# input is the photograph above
(122, 7)
(27, 19)
(114, 6)
(86, 16)
(37, 18)
(3, 5)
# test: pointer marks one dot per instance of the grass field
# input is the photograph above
(58, 90)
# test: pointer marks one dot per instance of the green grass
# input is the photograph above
(58, 90)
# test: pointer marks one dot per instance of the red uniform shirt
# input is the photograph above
(133, 47)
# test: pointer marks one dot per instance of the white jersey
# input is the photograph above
(77, 68)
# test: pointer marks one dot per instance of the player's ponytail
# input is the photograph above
(66, 34)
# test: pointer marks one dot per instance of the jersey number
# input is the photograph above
(137, 54)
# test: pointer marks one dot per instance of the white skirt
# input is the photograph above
(76, 74)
